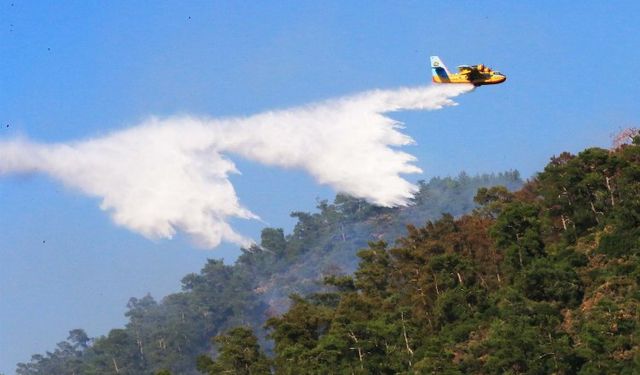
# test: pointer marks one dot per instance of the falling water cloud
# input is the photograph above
(168, 175)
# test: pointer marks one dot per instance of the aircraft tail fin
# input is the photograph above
(438, 69)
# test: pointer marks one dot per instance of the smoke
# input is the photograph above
(168, 175)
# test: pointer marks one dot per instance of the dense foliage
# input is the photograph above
(541, 281)
(171, 334)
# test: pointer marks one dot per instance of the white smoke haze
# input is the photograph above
(169, 175)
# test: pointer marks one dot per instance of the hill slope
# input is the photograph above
(545, 280)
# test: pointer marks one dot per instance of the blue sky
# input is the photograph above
(73, 70)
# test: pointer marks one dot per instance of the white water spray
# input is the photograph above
(168, 175)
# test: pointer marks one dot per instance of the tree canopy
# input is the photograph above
(539, 280)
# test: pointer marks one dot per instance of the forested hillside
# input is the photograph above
(544, 280)
(540, 280)
(172, 333)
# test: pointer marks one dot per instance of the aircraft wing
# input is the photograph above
(467, 69)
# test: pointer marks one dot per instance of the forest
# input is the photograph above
(480, 275)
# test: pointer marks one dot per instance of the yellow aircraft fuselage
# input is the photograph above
(484, 79)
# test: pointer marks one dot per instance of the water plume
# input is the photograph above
(172, 174)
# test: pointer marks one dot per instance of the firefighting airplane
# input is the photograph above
(477, 75)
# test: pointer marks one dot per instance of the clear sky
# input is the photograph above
(75, 69)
